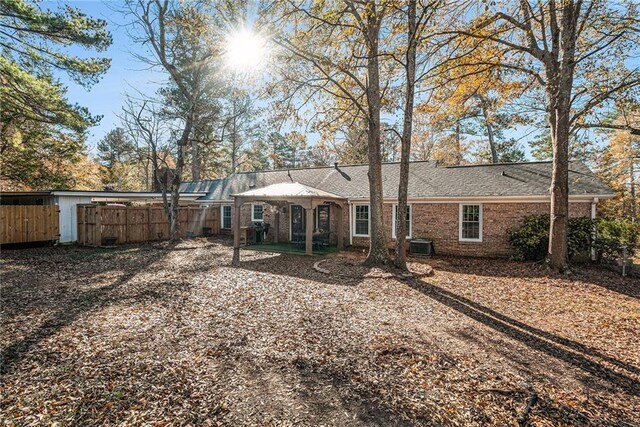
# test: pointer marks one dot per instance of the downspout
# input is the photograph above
(350, 224)
(594, 203)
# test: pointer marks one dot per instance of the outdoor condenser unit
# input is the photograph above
(421, 247)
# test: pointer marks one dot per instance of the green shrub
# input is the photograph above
(530, 241)
(615, 235)
(580, 237)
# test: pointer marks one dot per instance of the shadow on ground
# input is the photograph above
(588, 273)
(67, 307)
(568, 351)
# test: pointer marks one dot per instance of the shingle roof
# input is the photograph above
(426, 179)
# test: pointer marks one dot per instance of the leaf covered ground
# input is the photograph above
(173, 335)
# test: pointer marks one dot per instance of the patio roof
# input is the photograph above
(288, 190)
(288, 193)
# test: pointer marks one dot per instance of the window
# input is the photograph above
(361, 220)
(226, 217)
(395, 219)
(256, 213)
(471, 223)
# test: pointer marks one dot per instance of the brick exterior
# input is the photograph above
(438, 222)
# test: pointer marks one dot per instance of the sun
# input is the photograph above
(245, 51)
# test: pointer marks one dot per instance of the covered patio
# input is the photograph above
(287, 194)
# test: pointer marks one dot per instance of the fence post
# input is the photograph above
(149, 229)
(126, 225)
(99, 225)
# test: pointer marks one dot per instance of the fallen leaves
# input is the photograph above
(163, 335)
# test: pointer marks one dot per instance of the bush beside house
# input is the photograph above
(613, 238)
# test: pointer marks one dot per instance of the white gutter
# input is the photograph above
(350, 226)
(124, 194)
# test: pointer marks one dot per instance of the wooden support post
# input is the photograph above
(309, 230)
(276, 226)
(236, 231)
(340, 225)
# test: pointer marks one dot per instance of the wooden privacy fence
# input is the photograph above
(29, 223)
(131, 224)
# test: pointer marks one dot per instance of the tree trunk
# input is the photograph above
(234, 138)
(458, 143)
(489, 126)
(195, 160)
(558, 232)
(176, 178)
(405, 149)
(632, 188)
(560, 71)
(378, 251)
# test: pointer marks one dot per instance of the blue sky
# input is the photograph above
(126, 74)
(106, 97)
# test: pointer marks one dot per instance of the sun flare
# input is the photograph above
(245, 51)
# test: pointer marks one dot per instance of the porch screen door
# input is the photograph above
(298, 223)
(323, 222)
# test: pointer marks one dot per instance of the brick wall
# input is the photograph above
(440, 222)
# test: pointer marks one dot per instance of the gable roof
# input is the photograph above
(426, 180)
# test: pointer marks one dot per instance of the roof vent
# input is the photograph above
(335, 165)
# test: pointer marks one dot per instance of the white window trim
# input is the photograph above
(252, 212)
(460, 238)
(353, 225)
(393, 220)
(222, 217)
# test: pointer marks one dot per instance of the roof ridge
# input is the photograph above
(318, 167)
(501, 164)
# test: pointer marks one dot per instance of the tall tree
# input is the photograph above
(567, 49)
(178, 34)
(38, 124)
(620, 165)
(340, 45)
(409, 64)
(416, 17)
(119, 160)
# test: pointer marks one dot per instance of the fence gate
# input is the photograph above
(29, 223)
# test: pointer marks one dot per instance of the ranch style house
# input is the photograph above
(463, 210)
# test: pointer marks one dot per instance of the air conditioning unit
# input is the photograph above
(421, 247)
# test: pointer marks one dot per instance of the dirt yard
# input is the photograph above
(163, 335)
